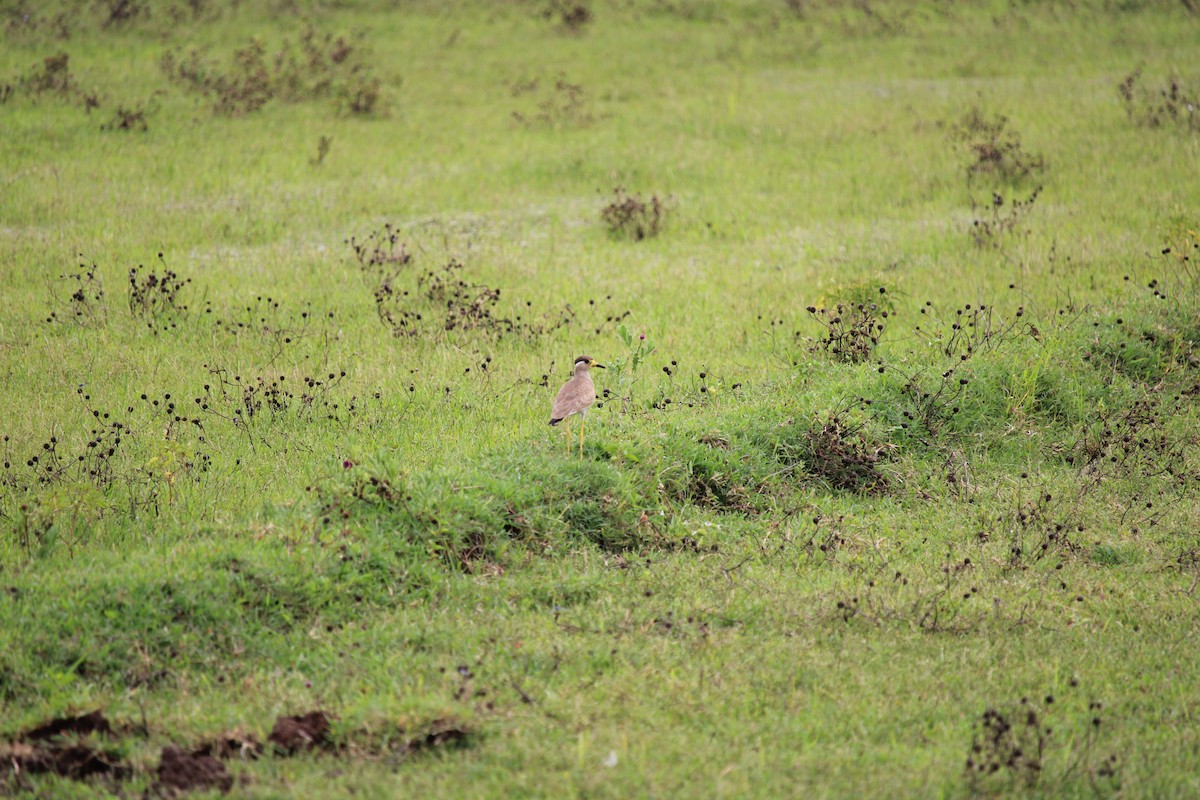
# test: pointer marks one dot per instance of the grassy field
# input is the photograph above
(891, 490)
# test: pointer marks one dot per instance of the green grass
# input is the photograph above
(802, 575)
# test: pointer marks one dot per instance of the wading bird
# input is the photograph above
(575, 397)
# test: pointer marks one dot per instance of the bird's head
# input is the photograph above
(584, 363)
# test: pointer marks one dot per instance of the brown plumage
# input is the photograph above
(575, 397)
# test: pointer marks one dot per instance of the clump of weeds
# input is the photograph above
(1156, 336)
(119, 13)
(934, 393)
(85, 304)
(242, 87)
(1019, 747)
(572, 16)
(157, 298)
(1173, 103)
(98, 17)
(466, 306)
(267, 321)
(837, 453)
(994, 150)
(630, 217)
(1182, 249)
(972, 329)
(133, 118)
(1137, 447)
(395, 310)
(851, 330)
(324, 144)
(317, 66)
(439, 301)
(1036, 528)
(1134, 441)
(380, 251)
(624, 369)
(469, 306)
(268, 407)
(129, 464)
(834, 450)
(361, 94)
(686, 388)
(127, 119)
(1001, 219)
(943, 598)
(958, 593)
(561, 104)
(132, 461)
(51, 77)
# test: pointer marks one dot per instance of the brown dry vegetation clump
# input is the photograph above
(628, 216)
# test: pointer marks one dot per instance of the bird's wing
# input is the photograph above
(563, 401)
(575, 396)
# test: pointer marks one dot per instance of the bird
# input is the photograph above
(575, 397)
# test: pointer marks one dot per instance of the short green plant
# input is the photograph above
(625, 368)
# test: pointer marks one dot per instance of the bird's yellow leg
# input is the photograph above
(568, 432)
(582, 420)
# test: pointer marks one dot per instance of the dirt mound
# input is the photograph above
(54, 747)
(64, 746)
(180, 771)
(94, 722)
(76, 761)
(305, 732)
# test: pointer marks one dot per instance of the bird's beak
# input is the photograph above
(601, 366)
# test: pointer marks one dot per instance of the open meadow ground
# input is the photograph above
(891, 488)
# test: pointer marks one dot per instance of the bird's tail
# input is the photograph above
(556, 421)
